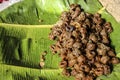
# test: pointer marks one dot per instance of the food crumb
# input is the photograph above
(42, 59)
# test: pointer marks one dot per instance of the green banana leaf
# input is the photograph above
(24, 30)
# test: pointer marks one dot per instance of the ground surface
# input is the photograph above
(113, 7)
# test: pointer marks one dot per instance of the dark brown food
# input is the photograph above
(42, 59)
(83, 42)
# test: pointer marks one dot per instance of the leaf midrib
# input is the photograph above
(13, 67)
(24, 26)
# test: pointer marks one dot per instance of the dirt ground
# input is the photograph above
(113, 7)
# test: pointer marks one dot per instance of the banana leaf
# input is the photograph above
(24, 30)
